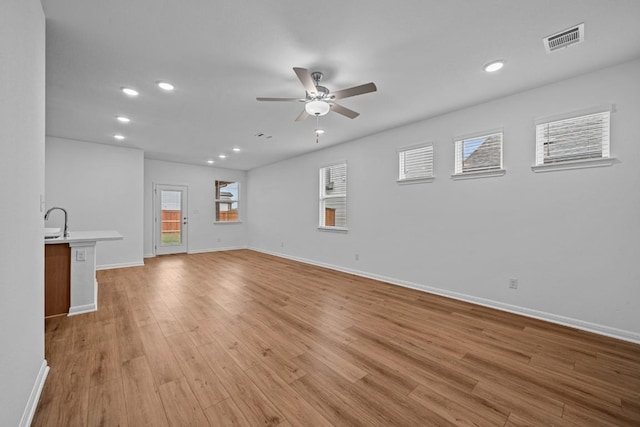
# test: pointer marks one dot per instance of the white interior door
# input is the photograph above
(170, 219)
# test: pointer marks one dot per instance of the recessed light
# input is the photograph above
(165, 86)
(494, 66)
(210, 162)
(222, 156)
(129, 91)
(118, 137)
(123, 119)
(236, 149)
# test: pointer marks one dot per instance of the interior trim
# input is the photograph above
(202, 251)
(576, 164)
(82, 309)
(121, 265)
(34, 397)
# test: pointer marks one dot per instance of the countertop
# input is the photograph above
(86, 236)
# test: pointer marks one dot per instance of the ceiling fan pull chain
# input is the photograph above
(317, 128)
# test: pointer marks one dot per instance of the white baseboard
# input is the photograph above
(81, 309)
(523, 311)
(34, 397)
(202, 251)
(121, 265)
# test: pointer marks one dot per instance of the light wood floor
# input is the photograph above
(245, 339)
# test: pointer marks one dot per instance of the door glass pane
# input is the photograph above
(171, 207)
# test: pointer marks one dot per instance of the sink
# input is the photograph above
(52, 233)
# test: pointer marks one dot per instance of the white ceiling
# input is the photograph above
(425, 56)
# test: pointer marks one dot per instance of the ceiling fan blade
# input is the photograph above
(344, 111)
(278, 99)
(305, 78)
(353, 91)
(302, 116)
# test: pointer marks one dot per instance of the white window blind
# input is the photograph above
(479, 153)
(416, 163)
(333, 196)
(578, 138)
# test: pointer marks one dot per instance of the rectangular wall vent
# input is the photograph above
(566, 38)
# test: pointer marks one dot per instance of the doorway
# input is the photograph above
(171, 219)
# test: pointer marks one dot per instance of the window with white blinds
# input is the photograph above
(577, 138)
(416, 163)
(480, 153)
(333, 196)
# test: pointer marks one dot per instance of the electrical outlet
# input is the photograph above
(282, 244)
(513, 283)
(219, 240)
(357, 257)
(81, 255)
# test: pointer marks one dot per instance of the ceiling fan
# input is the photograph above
(319, 100)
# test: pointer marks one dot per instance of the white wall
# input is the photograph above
(203, 234)
(101, 187)
(572, 238)
(22, 126)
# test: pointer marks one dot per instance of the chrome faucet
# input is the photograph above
(66, 228)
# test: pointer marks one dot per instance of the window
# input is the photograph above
(574, 139)
(333, 196)
(227, 199)
(479, 155)
(416, 164)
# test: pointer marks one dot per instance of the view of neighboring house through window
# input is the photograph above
(577, 138)
(333, 196)
(227, 200)
(478, 154)
(416, 164)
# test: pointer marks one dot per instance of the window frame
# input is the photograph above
(217, 200)
(322, 196)
(459, 160)
(401, 161)
(575, 163)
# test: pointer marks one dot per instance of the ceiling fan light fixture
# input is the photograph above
(319, 100)
(317, 107)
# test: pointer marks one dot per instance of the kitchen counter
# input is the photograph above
(85, 236)
(83, 286)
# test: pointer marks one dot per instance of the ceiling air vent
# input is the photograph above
(566, 38)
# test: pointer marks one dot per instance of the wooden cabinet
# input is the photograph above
(57, 279)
